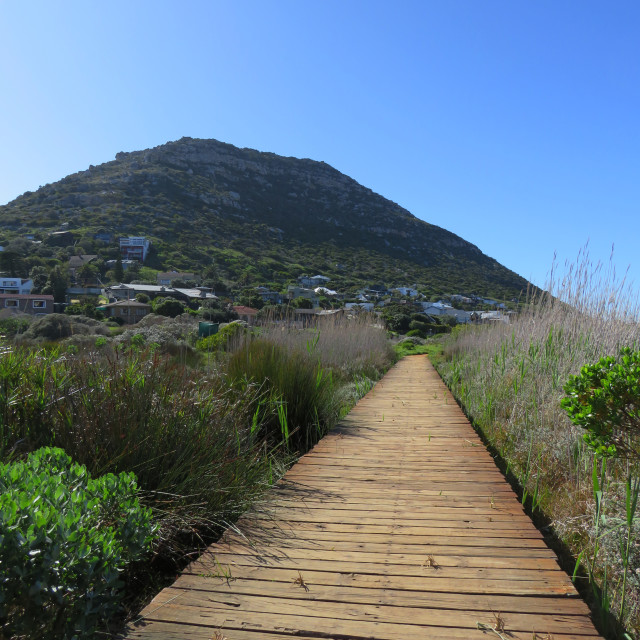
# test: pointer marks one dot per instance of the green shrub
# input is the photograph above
(604, 399)
(65, 540)
(222, 340)
(11, 326)
(169, 307)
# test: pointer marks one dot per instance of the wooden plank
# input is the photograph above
(219, 604)
(391, 597)
(160, 630)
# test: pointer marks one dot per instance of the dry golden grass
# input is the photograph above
(510, 379)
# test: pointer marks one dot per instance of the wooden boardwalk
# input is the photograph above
(398, 525)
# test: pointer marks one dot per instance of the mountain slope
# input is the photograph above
(259, 218)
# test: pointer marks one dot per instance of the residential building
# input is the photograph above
(407, 291)
(313, 281)
(129, 292)
(494, 316)
(129, 311)
(77, 262)
(294, 292)
(247, 314)
(269, 297)
(36, 305)
(358, 306)
(21, 286)
(110, 264)
(134, 248)
(167, 277)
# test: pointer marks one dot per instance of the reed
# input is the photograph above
(510, 379)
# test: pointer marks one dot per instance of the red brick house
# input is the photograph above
(248, 314)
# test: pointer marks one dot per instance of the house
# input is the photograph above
(110, 264)
(21, 286)
(134, 248)
(323, 291)
(167, 277)
(435, 308)
(77, 262)
(36, 305)
(462, 317)
(129, 311)
(269, 297)
(129, 291)
(248, 314)
(294, 292)
(103, 237)
(494, 316)
(313, 281)
(407, 291)
(456, 297)
(358, 306)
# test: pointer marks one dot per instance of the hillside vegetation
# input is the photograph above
(248, 218)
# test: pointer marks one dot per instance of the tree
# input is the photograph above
(11, 262)
(58, 283)
(302, 303)
(40, 276)
(118, 270)
(168, 307)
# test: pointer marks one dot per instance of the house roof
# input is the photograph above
(78, 261)
(127, 303)
(245, 311)
(157, 288)
(175, 275)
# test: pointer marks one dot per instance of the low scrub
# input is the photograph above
(66, 539)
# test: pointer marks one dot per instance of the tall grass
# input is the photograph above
(348, 345)
(298, 404)
(510, 377)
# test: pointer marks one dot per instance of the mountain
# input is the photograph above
(258, 218)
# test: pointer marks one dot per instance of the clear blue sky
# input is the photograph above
(515, 124)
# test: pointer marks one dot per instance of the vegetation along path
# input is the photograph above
(397, 525)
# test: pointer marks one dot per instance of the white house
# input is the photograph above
(135, 248)
(313, 281)
(19, 286)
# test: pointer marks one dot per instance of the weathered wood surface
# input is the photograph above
(398, 525)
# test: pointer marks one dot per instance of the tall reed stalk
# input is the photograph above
(510, 378)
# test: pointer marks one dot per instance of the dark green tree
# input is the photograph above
(118, 270)
(58, 283)
(40, 276)
(168, 307)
